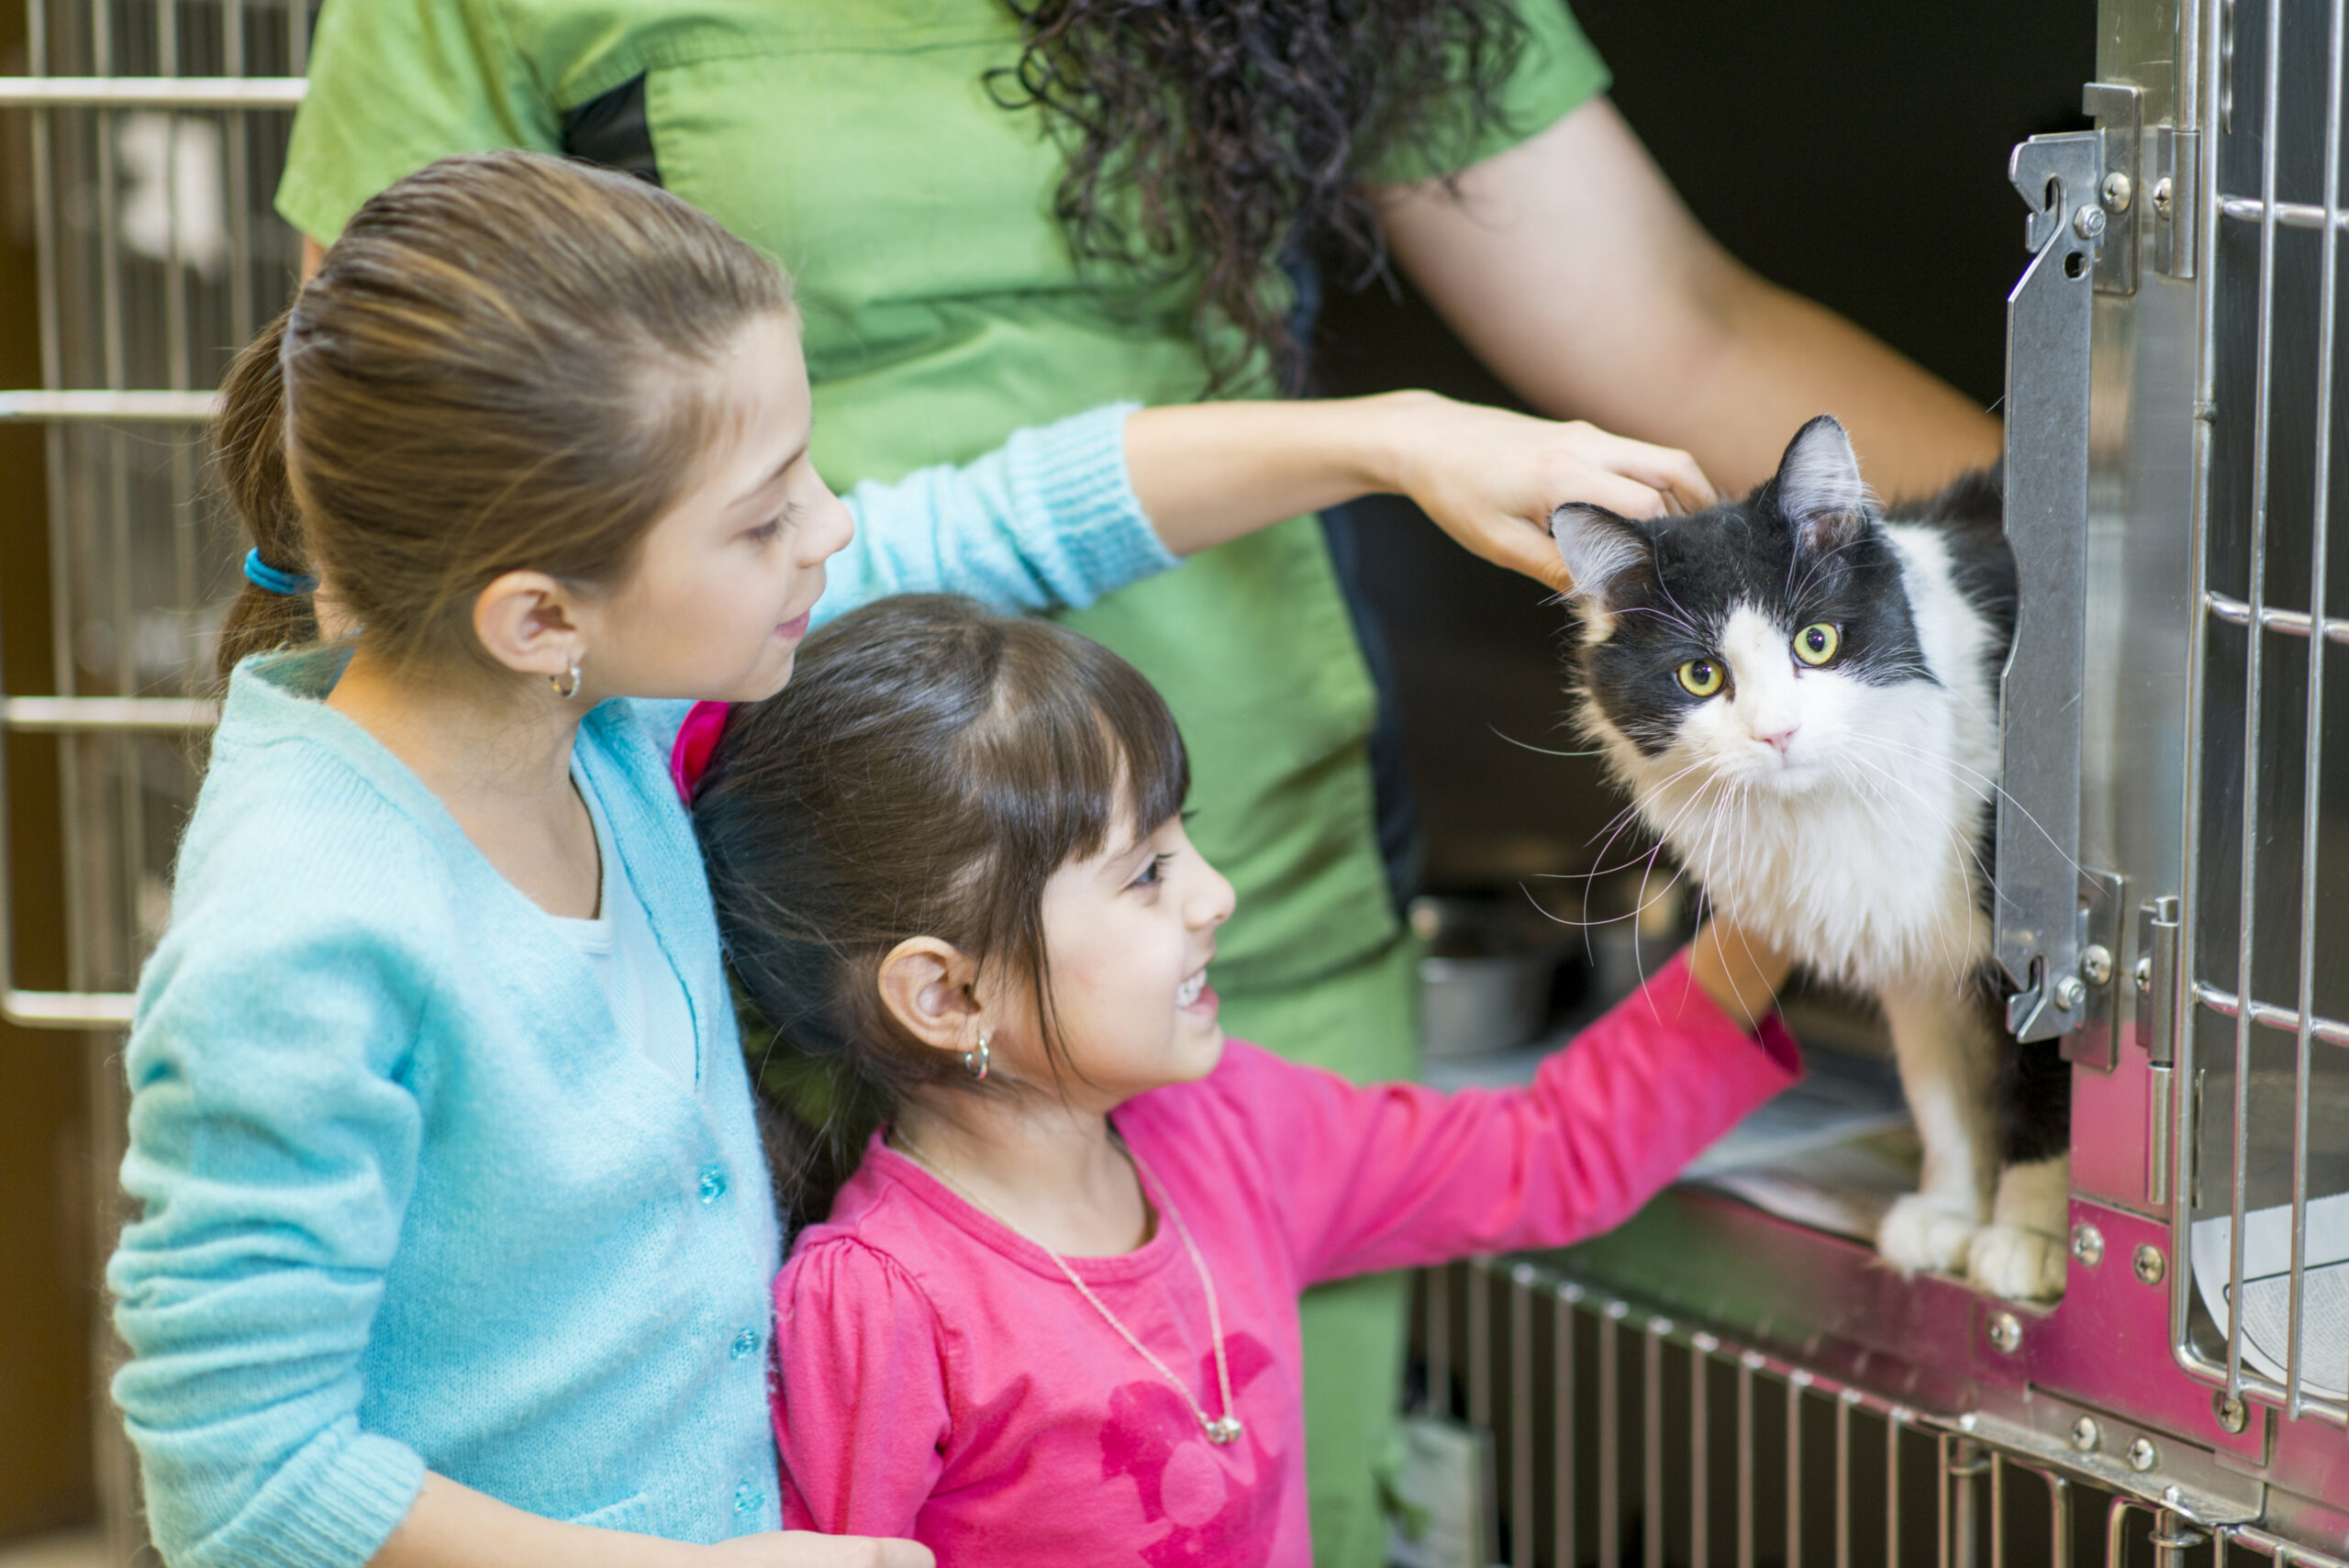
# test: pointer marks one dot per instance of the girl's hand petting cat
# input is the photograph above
(1491, 478)
(1206, 473)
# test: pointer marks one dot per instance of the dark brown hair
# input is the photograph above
(1209, 145)
(492, 371)
(929, 767)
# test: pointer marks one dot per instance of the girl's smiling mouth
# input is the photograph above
(796, 628)
(1193, 995)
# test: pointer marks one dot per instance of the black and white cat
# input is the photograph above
(1801, 692)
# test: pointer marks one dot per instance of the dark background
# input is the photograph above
(1854, 152)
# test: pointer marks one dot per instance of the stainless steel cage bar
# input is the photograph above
(2273, 401)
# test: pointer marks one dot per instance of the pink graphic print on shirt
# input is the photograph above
(1221, 1506)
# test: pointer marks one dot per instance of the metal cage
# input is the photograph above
(1710, 1384)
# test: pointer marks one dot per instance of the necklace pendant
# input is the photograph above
(1224, 1429)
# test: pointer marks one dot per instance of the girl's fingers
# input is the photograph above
(1666, 470)
(1626, 497)
(1659, 468)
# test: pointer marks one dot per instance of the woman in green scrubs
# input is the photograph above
(888, 154)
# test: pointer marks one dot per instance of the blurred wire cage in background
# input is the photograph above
(158, 131)
(1709, 1384)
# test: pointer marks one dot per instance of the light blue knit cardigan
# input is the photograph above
(410, 1200)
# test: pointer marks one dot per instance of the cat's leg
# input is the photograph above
(2020, 1255)
(1947, 1057)
(2021, 1252)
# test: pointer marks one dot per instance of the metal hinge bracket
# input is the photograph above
(2171, 156)
(2048, 318)
(2118, 113)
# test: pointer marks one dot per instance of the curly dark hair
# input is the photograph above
(1210, 143)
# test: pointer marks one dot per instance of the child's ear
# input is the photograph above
(927, 985)
(525, 622)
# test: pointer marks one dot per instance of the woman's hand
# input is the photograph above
(452, 1526)
(1491, 478)
(801, 1549)
(1208, 472)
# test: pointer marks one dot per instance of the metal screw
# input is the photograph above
(2087, 1245)
(2232, 1414)
(2086, 1435)
(2161, 196)
(2088, 222)
(2070, 994)
(2143, 971)
(2117, 190)
(2006, 1333)
(2095, 964)
(2149, 1263)
(2143, 1456)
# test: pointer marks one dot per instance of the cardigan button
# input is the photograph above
(745, 1344)
(747, 1498)
(713, 1183)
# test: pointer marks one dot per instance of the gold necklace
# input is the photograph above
(1222, 1429)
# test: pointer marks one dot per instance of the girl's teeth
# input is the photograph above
(1190, 990)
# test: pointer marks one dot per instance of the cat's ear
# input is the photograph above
(1597, 546)
(1820, 489)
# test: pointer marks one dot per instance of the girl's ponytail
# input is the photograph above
(249, 445)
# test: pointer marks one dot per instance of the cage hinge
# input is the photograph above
(2171, 157)
(2118, 112)
(2155, 975)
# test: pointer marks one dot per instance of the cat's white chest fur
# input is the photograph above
(1857, 843)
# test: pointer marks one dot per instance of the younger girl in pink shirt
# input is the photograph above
(1044, 1306)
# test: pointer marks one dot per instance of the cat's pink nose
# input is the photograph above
(1778, 741)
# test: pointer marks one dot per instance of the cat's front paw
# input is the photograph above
(2017, 1263)
(1920, 1233)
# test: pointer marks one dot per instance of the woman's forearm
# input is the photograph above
(1574, 270)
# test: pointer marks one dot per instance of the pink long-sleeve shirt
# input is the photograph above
(941, 1378)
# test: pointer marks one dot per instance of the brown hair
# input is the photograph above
(491, 372)
(929, 767)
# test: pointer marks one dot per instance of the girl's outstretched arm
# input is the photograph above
(1397, 1175)
(455, 1526)
(1061, 514)
(1209, 473)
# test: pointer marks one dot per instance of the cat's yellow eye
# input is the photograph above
(1700, 677)
(1817, 643)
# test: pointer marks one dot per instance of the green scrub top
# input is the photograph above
(856, 141)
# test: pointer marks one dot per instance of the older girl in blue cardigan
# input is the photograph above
(455, 1222)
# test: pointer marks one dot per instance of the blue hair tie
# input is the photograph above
(269, 579)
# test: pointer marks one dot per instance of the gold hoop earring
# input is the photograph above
(975, 1063)
(566, 692)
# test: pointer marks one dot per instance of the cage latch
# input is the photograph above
(2039, 934)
